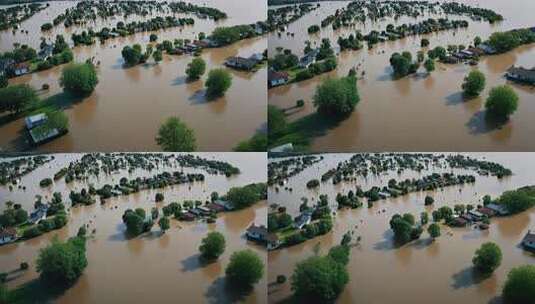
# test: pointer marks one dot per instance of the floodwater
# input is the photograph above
(129, 104)
(162, 268)
(421, 271)
(420, 112)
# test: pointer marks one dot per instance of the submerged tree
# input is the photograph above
(474, 83)
(337, 96)
(218, 82)
(502, 101)
(79, 79)
(488, 257)
(245, 269)
(175, 136)
(62, 262)
(196, 68)
(212, 246)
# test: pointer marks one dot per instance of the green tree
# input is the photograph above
(164, 223)
(244, 269)
(218, 82)
(257, 143)
(157, 55)
(488, 257)
(400, 64)
(434, 230)
(131, 56)
(502, 101)
(340, 254)
(276, 121)
(153, 37)
(175, 136)
(429, 65)
(520, 285)
(16, 98)
(62, 262)
(319, 279)
(196, 68)
(212, 246)
(474, 83)
(79, 79)
(337, 96)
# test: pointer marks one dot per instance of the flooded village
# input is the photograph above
(151, 222)
(373, 212)
(151, 62)
(442, 42)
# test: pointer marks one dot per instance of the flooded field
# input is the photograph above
(153, 266)
(421, 271)
(418, 112)
(129, 104)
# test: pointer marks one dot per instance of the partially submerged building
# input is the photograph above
(521, 75)
(8, 235)
(41, 135)
(529, 241)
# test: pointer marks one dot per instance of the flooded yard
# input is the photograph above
(160, 267)
(421, 271)
(418, 112)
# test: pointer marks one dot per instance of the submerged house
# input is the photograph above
(273, 241)
(303, 219)
(38, 214)
(8, 235)
(41, 136)
(21, 69)
(227, 206)
(277, 78)
(521, 74)
(308, 59)
(498, 209)
(257, 233)
(529, 241)
(241, 63)
(46, 51)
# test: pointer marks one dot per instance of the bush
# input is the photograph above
(218, 82)
(434, 230)
(337, 96)
(428, 200)
(175, 136)
(245, 269)
(474, 83)
(520, 285)
(502, 101)
(79, 79)
(487, 258)
(24, 266)
(313, 183)
(212, 246)
(164, 223)
(313, 29)
(429, 65)
(196, 68)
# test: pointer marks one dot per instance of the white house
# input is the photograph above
(8, 235)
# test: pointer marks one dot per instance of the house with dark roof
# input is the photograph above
(529, 241)
(228, 206)
(21, 69)
(38, 214)
(277, 78)
(46, 51)
(308, 59)
(303, 219)
(41, 136)
(273, 241)
(498, 209)
(241, 63)
(8, 235)
(257, 233)
(521, 74)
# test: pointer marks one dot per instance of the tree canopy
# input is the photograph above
(218, 82)
(212, 246)
(16, 98)
(79, 79)
(175, 136)
(474, 83)
(196, 68)
(244, 269)
(488, 257)
(502, 101)
(520, 285)
(337, 96)
(62, 262)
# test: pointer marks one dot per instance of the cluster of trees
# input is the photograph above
(402, 64)
(518, 200)
(284, 60)
(506, 41)
(244, 269)
(212, 246)
(62, 262)
(133, 55)
(404, 228)
(321, 279)
(229, 35)
(58, 221)
(278, 221)
(16, 98)
(257, 143)
(136, 221)
(352, 42)
(337, 96)
(487, 258)
(79, 78)
(245, 196)
(350, 200)
(218, 82)
(13, 215)
(502, 102)
(176, 136)
(313, 29)
(196, 68)
(474, 83)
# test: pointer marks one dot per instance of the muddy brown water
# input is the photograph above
(422, 271)
(129, 104)
(419, 112)
(162, 268)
